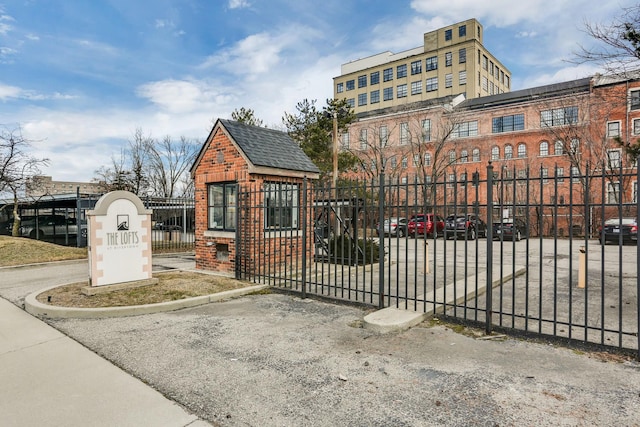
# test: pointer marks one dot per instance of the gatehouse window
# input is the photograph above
(221, 206)
(281, 206)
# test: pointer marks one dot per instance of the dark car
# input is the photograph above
(394, 227)
(429, 224)
(615, 227)
(510, 229)
(467, 226)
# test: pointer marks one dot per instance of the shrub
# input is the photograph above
(345, 250)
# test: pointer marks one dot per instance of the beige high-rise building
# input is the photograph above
(452, 61)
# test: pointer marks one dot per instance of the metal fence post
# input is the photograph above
(489, 301)
(305, 230)
(638, 253)
(381, 240)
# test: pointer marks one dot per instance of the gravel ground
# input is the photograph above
(277, 360)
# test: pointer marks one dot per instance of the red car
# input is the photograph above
(429, 224)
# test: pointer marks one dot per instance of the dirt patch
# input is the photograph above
(171, 286)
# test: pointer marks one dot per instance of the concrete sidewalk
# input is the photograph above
(49, 379)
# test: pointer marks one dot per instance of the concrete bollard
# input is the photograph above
(582, 268)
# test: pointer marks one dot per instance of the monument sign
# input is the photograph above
(119, 243)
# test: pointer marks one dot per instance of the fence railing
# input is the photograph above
(527, 252)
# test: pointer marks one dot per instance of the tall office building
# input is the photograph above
(452, 61)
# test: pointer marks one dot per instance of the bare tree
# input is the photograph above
(169, 161)
(618, 43)
(17, 167)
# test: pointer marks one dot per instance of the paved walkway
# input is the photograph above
(48, 379)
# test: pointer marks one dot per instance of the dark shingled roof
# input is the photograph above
(267, 147)
(573, 86)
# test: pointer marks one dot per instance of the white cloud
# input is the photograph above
(238, 4)
(7, 92)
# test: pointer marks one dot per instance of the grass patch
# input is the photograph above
(171, 286)
(20, 250)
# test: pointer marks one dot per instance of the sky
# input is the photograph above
(80, 77)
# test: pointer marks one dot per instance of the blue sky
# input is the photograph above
(81, 76)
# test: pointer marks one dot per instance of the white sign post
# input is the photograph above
(119, 240)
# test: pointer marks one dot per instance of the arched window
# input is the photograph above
(452, 156)
(544, 148)
(464, 156)
(475, 154)
(495, 153)
(559, 148)
(522, 150)
(427, 159)
(508, 151)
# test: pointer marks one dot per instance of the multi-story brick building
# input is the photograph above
(41, 185)
(572, 129)
(452, 61)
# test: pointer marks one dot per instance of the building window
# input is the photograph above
(221, 206)
(462, 56)
(404, 162)
(506, 83)
(485, 62)
(452, 157)
(351, 84)
(427, 159)
(384, 135)
(426, 130)
(427, 179)
(613, 159)
(545, 175)
(387, 93)
(351, 102)
(280, 206)
(345, 141)
(401, 71)
(636, 126)
(462, 78)
(448, 59)
(416, 87)
(559, 116)
(464, 156)
(432, 63)
(575, 146)
(634, 192)
(402, 91)
(613, 129)
(432, 84)
(416, 160)
(387, 74)
(508, 151)
(634, 100)
(485, 84)
(416, 67)
(544, 148)
(448, 80)
(508, 123)
(362, 99)
(465, 129)
(559, 174)
(522, 150)
(375, 96)
(363, 139)
(448, 34)
(462, 31)
(362, 81)
(375, 77)
(475, 155)
(491, 89)
(404, 133)
(340, 87)
(495, 153)
(613, 191)
(393, 161)
(575, 174)
(559, 148)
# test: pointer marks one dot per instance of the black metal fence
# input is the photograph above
(527, 252)
(62, 220)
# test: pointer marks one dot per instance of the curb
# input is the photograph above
(36, 308)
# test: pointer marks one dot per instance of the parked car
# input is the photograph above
(167, 227)
(466, 226)
(429, 224)
(394, 227)
(510, 229)
(615, 227)
(48, 225)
